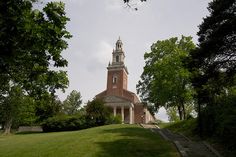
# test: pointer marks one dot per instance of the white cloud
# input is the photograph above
(113, 5)
(104, 53)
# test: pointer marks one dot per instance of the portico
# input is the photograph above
(126, 117)
(121, 107)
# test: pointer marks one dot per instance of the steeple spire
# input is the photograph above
(119, 44)
(118, 56)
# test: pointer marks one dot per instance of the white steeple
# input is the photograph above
(118, 56)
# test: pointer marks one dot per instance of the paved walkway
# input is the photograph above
(185, 146)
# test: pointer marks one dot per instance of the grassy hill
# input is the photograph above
(106, 141)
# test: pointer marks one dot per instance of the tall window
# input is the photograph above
(114, 79)
(117, 58)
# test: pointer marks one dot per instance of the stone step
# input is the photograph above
(197, 149)
(185, 146)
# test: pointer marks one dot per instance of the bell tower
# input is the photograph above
(117, 74)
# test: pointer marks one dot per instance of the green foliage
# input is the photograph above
(77, 121)
(187, 127)
(213, 64)
(216, 53)
(18, 109)
(165, 81)
(64, 123)
(220, 119)
(31, 42)
(10, 106)
(26, 115)
(173, 115)
(114, 119)
(48, 106)
(97, 113)
(213, 68)
(72, 103)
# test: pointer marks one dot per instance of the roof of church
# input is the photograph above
(127, 95)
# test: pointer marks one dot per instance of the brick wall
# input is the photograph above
(138, 113)
(121, 82)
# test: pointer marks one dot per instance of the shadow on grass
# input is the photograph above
(136, 142)
(29, 132)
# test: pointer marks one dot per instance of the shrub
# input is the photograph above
(97, 113)
(219, 120)
(114, 119)
(64, 123)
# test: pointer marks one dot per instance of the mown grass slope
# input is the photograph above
(106, 141)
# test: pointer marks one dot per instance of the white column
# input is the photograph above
(114, 110)
(130, 115)
(122, 114)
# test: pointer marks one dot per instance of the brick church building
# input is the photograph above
(117, 97)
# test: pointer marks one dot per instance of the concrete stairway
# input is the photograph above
(185, 146)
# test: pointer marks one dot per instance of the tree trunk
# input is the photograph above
(180, 112)
(7, 127)
(200, 120)
(184, 113)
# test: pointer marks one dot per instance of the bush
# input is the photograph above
(114, 119)
(226, 118)
(97, 113)
(219, 120)
(64, 123)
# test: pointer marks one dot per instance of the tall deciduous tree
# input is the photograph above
(72, 103)
(31, 42)
(164, 81)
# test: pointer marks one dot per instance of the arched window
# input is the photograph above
(117, 58)
(114, 79)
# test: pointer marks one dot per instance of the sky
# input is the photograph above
(97, 24)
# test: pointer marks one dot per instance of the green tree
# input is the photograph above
(213, 63)
(26, 114)
(10, 107)
(48, 106)
(97, 113)
(16, 108)
(72, 103)
(173, 115)
(165, 81)
(31, 42)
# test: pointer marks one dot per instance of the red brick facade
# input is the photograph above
(116, 81)
(117, 95)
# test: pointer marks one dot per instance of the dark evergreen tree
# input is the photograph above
(213, 63)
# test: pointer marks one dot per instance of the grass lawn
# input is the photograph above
(186, 127)
(106, 141)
